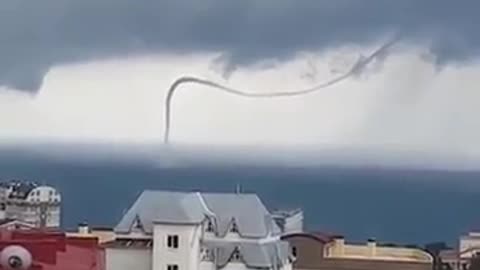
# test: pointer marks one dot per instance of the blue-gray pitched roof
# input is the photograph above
(253, 254)
(246, 210)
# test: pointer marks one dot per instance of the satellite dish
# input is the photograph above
(15, 258)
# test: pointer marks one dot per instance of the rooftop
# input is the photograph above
(372, 251)
(18, 189)
(284, 213)
(317, 235)
(246, 210)
(129, 243)
(253, 254)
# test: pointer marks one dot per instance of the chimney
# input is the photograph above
(83, 228)
(339, 246)
(372, 247)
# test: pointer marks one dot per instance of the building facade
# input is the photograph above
(317, 251)
(197, 231)
(460, 258)
(28, 202)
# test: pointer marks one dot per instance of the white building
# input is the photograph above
(289, 221)
(468, 247)
(30, 203)
(197, 231)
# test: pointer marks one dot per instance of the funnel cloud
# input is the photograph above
(357, 68)
(36, 36)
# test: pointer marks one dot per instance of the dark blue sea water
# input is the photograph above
(400, 205)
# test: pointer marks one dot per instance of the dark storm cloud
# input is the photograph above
(36, 35)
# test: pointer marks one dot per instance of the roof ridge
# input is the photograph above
(204, 204)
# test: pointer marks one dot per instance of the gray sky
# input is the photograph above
(37, 35)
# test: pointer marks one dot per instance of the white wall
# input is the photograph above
(230, 266)
(187, 256)
(467, 242)
(234, 266)
(128, 259)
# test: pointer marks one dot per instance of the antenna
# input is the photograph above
(238, 189)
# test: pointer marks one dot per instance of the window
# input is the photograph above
(234, 228)
(172, 241)
(236, 255)
(294, 251)
(137, 224)
(207, 254)
(172, 267)
(209, 226)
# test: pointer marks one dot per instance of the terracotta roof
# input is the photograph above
(319, 236)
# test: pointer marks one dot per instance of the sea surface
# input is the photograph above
(409, 206)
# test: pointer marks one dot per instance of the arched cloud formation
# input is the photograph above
(38, 35)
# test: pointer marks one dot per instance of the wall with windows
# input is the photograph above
(41, 206)
(176, 247)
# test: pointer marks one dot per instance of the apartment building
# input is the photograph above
(28, 203)
(166, 230)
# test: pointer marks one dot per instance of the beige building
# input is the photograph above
(316, 251)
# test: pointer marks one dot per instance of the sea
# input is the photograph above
(391, 204)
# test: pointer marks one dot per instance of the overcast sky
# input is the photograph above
(98, 70)
(36, 36)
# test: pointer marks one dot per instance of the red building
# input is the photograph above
(41, 250)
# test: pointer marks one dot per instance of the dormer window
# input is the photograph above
(137, 224)
(236, 255)
(233, 227)
(207, 254)
(209, 226)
